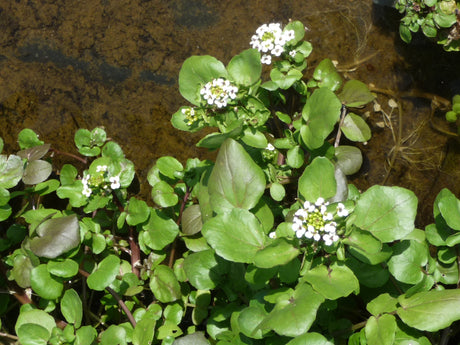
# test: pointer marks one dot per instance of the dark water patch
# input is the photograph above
(194, 14)
(157, 78)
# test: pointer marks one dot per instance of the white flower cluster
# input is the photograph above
(219, 92)
(313, 221)
(99, 180)
(270, 39)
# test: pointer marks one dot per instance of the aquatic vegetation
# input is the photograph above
(438, 20)
(268, 244)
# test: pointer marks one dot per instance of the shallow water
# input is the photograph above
(67, 64)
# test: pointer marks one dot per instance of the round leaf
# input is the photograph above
(163, 194)
(310, 339)
(164, 284)
(236, 236)
(349, 159)
(245, 68)
(195, 73)
(355, 94)
(105, 273)
(355, 128)
(387, 212)
(318, 180)
(44, 284)
(36, 171)
(138, 211)
(71, 307)
(277, 253)
(169, 166)
(205, 270)
(11, 170)
(65, 269)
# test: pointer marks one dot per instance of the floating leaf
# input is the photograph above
(235, 181)
(349, 159)
(355, 128)
(355, 94)
(236, 236)
(394, 217)
(56, 236)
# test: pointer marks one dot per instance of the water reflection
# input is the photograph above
(67, 64)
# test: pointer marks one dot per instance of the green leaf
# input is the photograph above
(196, 338)
(85, 335)
(72, 308)
(114, 335)
(22, 266)
(46, 187)
(430, 310)
(204, 269)
(195, 73)
(37, 317)
(65, 269)
(285, 80)
(449, 206)
(387, 212)
(11, 170)
(213, 141)
(112, 150)
(45, 285)
(294, 312)
(321, 112)
(373, 276)
(310, 339)
(444, 20)
(355, 128)
(383, 303)
(1, 144)
(245, 68)
(277, 253)
(236, 236)
(381, 330)
(405, 33)
(163, 194)
(295, 157)
(5, 212)
(318, 180)
(4, 196)
(35, 152)
(249, 320)
(332, 282)
(36, 171)
(277, 191)
(235, 181)
(327, 76)
(138, 211)
(28, 138)
(164, 284)
(191, 220)
(144, 332)
(349, 159)
(169, 166)
(33, 334)
(56, 236)
(409, 257)
(355, 94)
(82, 138)
(105, 273)
(255, 138)
(160, 230)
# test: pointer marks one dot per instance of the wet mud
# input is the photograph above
(66, 64)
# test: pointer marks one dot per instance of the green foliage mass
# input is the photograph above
(269, 244)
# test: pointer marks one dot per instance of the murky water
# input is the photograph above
(66, 64)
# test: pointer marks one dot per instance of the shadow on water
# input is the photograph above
(66, 64)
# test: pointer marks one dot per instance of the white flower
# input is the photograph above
(266, 59)
(289, 35)
(115, 182)
(86, 191)
(314, 222)
(292, 53)
(189, 114)
(218, 92)
(272, 234)
(341, 210)
(100, 168)
(270, 147)
(278, 50)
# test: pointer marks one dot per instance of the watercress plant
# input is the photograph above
(268, 244)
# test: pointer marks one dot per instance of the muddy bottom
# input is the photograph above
(70, 64)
